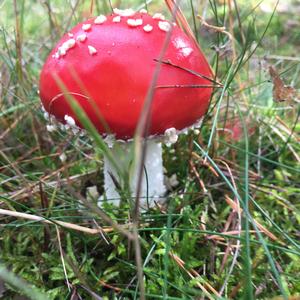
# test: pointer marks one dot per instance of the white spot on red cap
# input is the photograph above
(71, 124)
(81, 37)
(70, 34)
(86, 27)
(92, 50)
(164, 26)
(100, 19)
(61, 51)
(159, 16)
(171, 136)
(143, 11)
(179, 43)
(69, 120)
(124, 12)
(116, 19)
(134, 22)
(69, 44)
(148, 28)
(183, 47)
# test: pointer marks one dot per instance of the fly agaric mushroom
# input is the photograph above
(107, 64)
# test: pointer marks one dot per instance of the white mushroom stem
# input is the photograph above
(152, 189)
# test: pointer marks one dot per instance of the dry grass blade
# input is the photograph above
(233, 205)
(109, 286)
(169, 63)
(181, 19)
(142, 130)
(226, 233)
(200, 181)
(286, 128)
(238, 226)
(205, 163)
(32, 188)
(62, 258)
(194, 274)
(60, 223)
(12, 126)
(18, 41)
(284, 139)
(216, 28)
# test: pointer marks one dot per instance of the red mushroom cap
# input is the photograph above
(108, 63)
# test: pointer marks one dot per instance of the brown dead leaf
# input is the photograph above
(281, 92)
